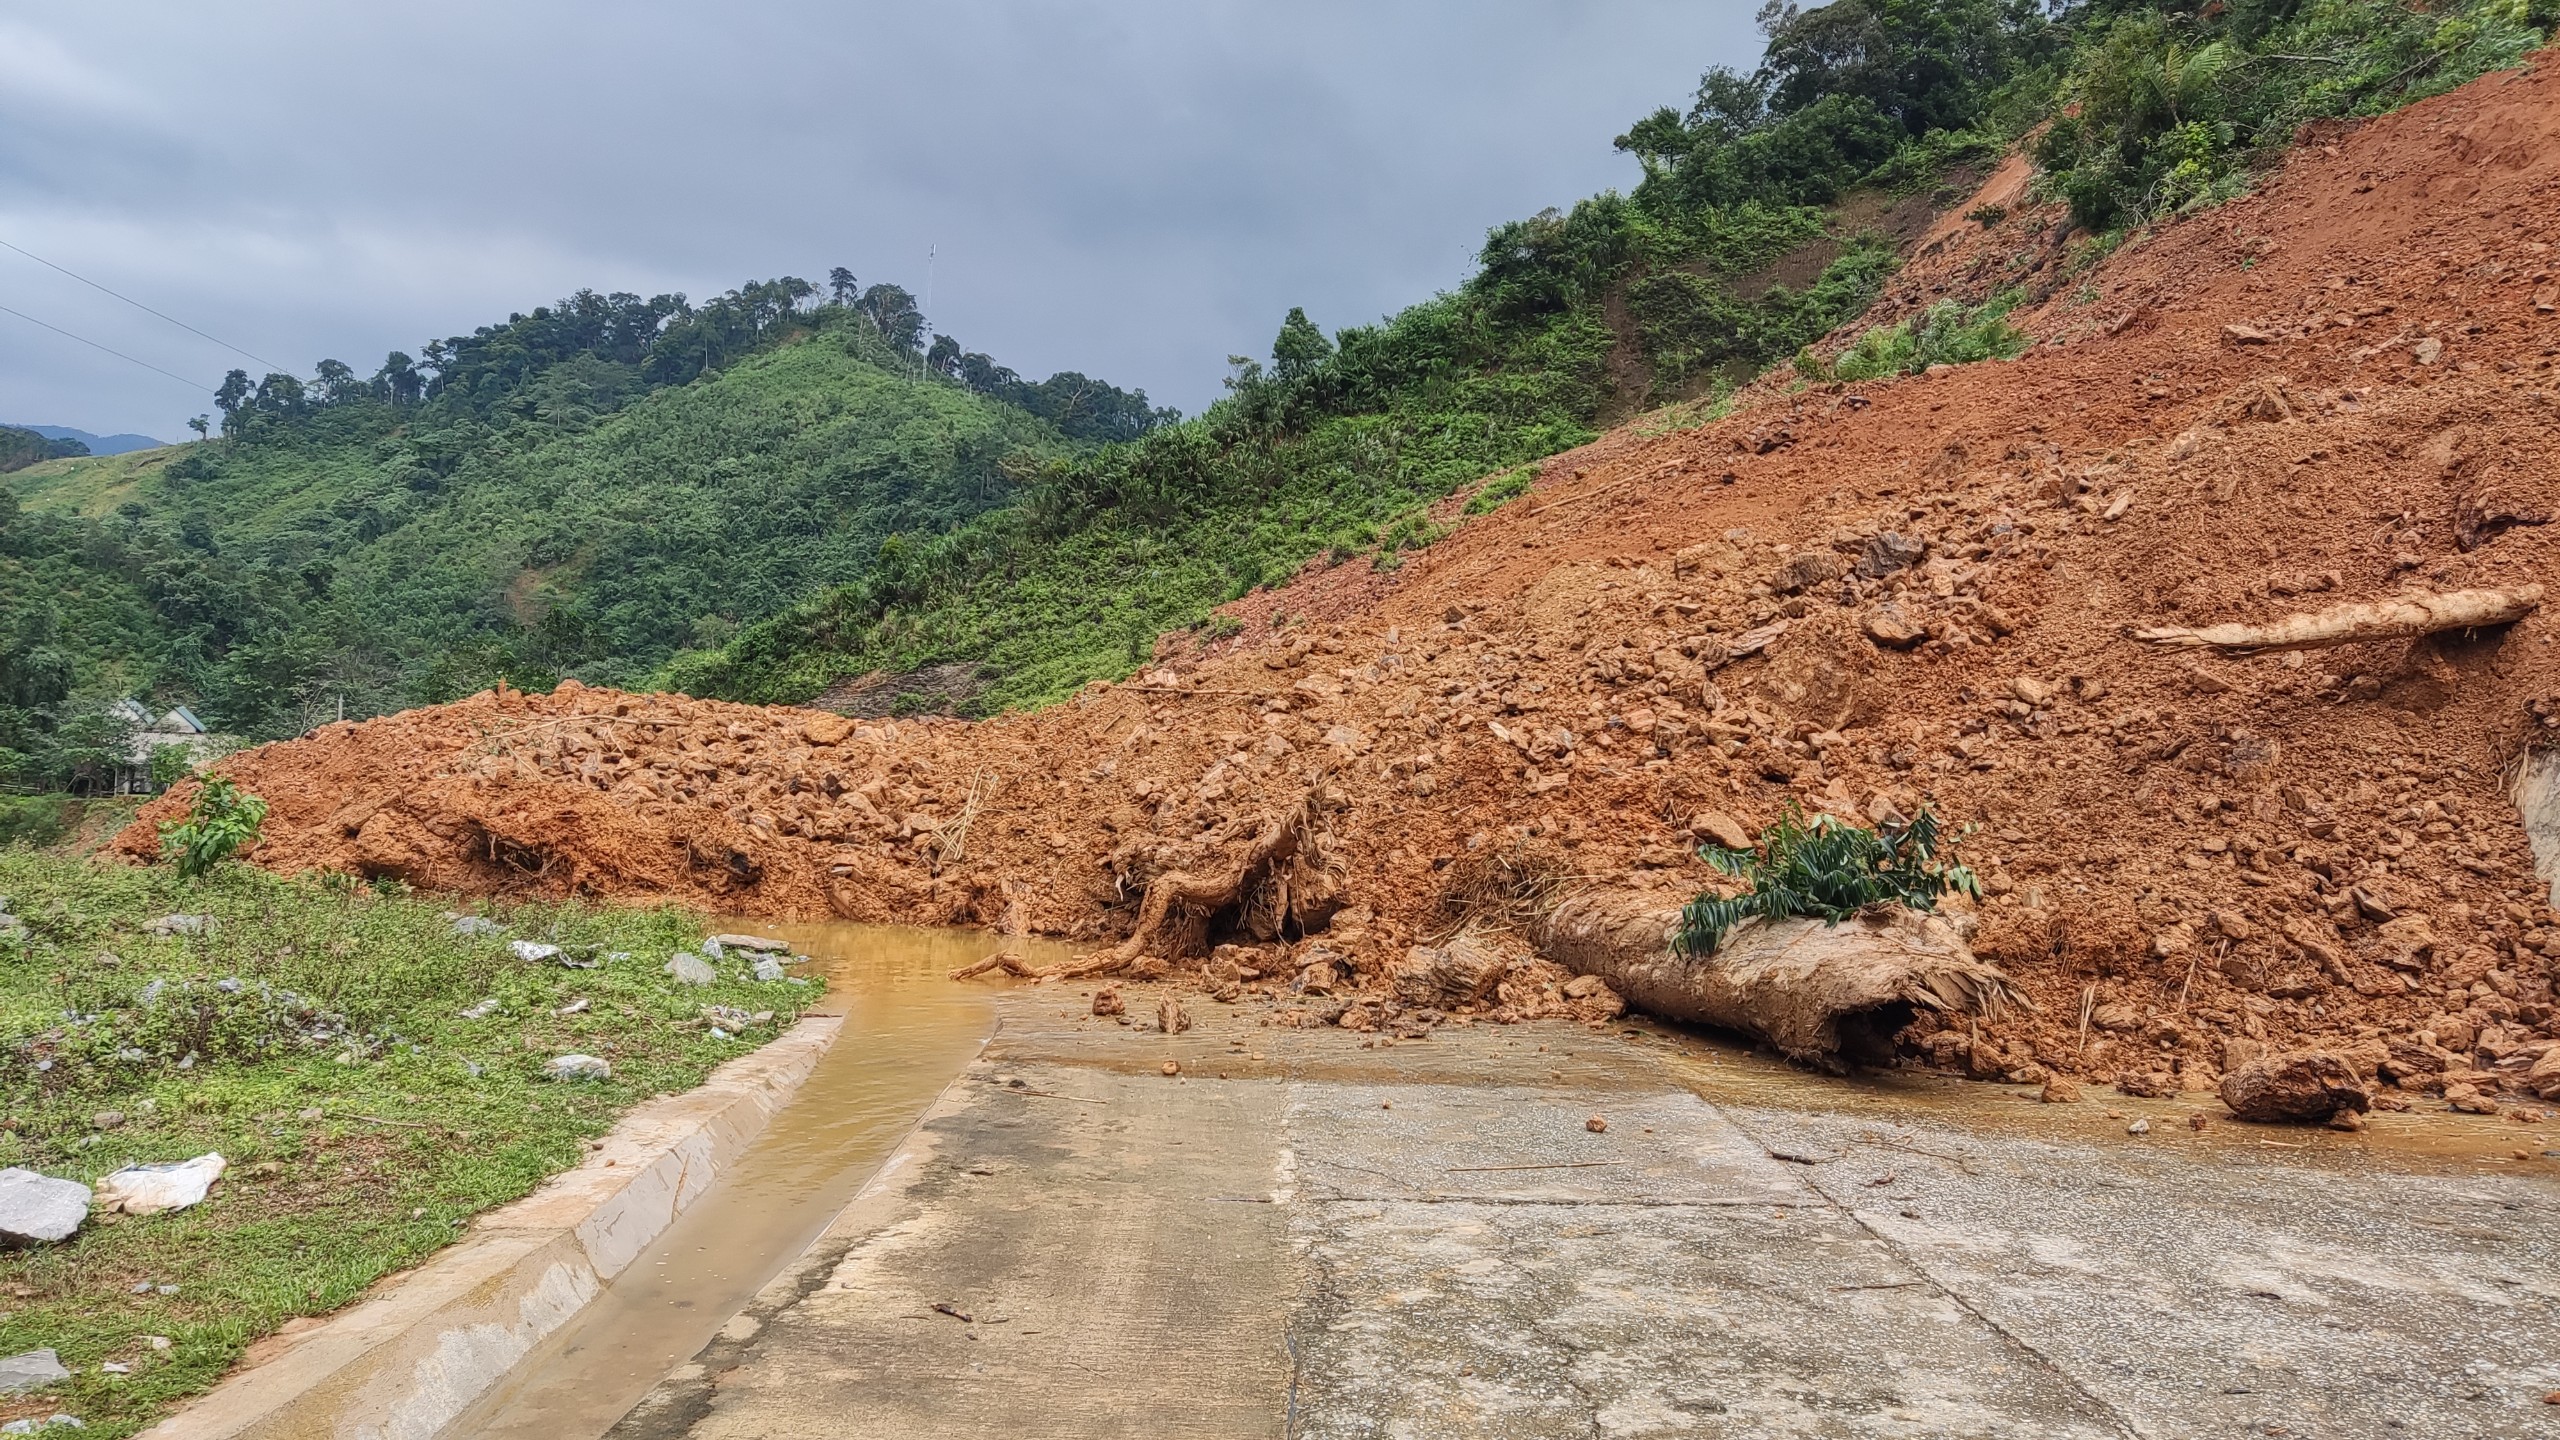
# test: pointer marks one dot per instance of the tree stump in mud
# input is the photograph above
(1827, 995)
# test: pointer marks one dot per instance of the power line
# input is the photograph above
(138, 305)
(197, 386)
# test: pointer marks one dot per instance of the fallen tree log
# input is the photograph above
(1827, 995)
(2401, 618)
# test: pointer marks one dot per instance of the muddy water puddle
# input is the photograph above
(907, 1032)
(2426, 1135)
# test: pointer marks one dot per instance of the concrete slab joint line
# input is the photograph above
(2122, 1422)
(414, 1354)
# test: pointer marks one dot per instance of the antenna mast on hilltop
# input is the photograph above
(931, 252)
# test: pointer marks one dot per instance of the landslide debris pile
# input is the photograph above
(1855, 599)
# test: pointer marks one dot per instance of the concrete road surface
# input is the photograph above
(1305, 1234)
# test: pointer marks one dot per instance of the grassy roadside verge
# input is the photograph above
(317, 1037)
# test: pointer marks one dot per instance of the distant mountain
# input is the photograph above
(98, 444)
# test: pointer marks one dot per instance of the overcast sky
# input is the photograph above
(1135, 189)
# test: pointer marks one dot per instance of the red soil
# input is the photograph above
(2336, 389)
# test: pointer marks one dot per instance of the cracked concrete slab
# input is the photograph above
(1303, 1234)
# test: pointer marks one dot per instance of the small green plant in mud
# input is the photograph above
(223, 822)
(1826, 869)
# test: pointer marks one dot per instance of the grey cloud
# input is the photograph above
(1134, 190)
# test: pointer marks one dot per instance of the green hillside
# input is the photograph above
(1574, 319)
(582, 491)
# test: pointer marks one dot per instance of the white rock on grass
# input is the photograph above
(39, 1209)
(151, 1189)
(179, 925)
(532, 950)
(31, 1370)
(33, 1426)
(768, 969)
(691, 969)
(578, 1067)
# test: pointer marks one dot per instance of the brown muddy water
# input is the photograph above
(907, 1032)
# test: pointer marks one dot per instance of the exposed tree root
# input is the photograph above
(2396, 619)
(1180, 898)
(1004, 960)
(1827, 995)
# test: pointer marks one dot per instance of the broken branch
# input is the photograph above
(2395, 619)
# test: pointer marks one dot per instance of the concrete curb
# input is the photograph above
(403, 1362)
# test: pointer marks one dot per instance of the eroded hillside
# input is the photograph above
(1854, 599)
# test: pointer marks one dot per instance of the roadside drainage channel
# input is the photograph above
(557, 1312)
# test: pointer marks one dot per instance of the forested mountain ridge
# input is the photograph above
(584, 490)
(1747, 238)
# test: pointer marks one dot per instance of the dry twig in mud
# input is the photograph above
(1280, 840)
(2402, 618)
(951, 839)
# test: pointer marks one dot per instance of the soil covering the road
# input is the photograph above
(1855, 599)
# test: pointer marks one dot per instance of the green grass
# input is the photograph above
(364, 1119)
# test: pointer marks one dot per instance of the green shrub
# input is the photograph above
(33, 820)
(223, 821)
(1493, 494)
(1827, 869)
(1946, 334)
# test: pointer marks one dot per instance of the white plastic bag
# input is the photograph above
(150, 1189)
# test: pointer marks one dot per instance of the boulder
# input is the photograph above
(691, 969)
(2544, 1079)
(1462, 972)
(31, 1370)
(2298, 1086)
(757, 943)
(39, 1209)
(768, 969)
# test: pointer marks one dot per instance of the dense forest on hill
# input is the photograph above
(1339, 444)
(585, 489)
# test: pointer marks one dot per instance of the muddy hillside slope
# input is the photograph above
(1855, 599)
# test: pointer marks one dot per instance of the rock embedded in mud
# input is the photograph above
(2544, 1079)
(1462, 972)
(1721, 829)
(1171, 1018)
(1107, 1001)
(1894, 627)
(2058, 1091)
(2297, 1087)
(39, 1209)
